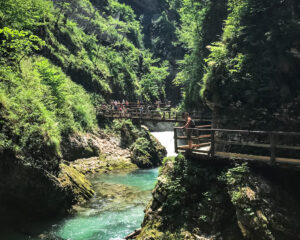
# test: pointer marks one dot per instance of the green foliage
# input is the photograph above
(236, 174)
(95, 44)
(17, 44)
(201, 23)
(72, 104)
(252, 66)
(163, 32)
(38, 105)
(27, 127)
(235, 179)
(152, 84)
(241, 55)
(104, 49)
(176, 187)
(24, 14)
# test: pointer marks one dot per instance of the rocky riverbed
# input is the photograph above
(29, 193)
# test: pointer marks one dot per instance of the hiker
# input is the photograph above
(124, 111)
(141, 109)
(189, 123)
(158, 102)
(115, 105)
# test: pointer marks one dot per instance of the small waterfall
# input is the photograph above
(166, 138)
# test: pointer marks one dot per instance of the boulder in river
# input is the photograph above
(30, 192)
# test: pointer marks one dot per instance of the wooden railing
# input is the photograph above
(155, 115)
(133, 105)
(272, 147)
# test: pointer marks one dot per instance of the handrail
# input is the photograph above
(150, 114)
(244, 131)
(272, 142)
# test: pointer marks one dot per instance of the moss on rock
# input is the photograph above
(146, 150)
(29, 191)
(147, 153)
(71, 178)
(199, 200)
(102, 164)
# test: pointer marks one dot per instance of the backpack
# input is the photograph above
(193, 125)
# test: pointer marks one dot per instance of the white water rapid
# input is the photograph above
(166, 138)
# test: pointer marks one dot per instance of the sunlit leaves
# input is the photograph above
(17, 44)
(24, 14)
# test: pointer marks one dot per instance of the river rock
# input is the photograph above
(29, 191)
(146, 150)
(82, 145)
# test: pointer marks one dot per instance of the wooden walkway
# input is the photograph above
(259, 146)
(152, 115)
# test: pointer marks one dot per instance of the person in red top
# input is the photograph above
(188, 124)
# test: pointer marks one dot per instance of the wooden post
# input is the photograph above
(175, 140)
(176, 116)
(273, 148)
(151, 114)
(164, 115)
(212, 144)
(170, 115)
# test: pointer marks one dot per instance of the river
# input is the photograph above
(116, 210)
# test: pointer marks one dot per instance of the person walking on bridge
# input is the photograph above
(189, 123)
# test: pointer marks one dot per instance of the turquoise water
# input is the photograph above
(140, 179)
(115, 211)
(116, 215)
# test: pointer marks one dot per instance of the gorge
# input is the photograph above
(69, 172)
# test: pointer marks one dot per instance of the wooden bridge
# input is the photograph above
(162, 115)
(262, 146)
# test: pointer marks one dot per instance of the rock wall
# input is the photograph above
(29, 192)
(199, 200)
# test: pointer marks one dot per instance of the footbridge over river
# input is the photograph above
(204, 142)
(150, 113)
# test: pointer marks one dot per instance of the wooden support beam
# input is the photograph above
(212, 145)
(175, 140)
(194, 137)
(203, 126)
(272, 148)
